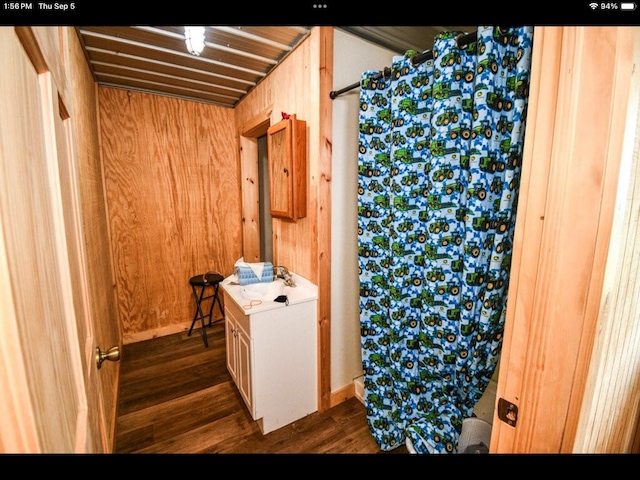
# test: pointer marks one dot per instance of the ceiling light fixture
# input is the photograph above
(194, 38)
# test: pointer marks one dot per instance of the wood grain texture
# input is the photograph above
(177, 397)
(610, 414)
(563, 235)
(173, 195)
(97, 248)
(289, 88)
(36, 255)
(300, 85)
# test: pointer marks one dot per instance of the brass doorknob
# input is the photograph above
(113, 355)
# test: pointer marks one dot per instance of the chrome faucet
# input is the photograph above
(285, 275)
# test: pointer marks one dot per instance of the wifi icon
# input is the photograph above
(593, 5)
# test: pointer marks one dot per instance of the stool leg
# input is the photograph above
(212, 303)
(200, 315)
(216, 298)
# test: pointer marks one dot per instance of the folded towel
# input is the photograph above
(248, 273)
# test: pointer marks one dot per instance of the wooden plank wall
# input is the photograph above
(609, 419)
(289, 88)
(562, 234)
(299, 85)
(173, 198)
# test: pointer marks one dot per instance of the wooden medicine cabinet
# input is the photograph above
(287, 152)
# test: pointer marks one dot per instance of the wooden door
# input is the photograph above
(580, 91)
(45, 335)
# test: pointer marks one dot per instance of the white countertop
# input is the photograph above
(304, 291)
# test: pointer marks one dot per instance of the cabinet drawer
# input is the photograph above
(238, 314)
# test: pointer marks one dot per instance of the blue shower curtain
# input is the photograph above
(439, 166)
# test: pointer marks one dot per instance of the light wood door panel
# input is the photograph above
(42, 267)
(579, 93)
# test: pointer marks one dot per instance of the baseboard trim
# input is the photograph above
(342, 395)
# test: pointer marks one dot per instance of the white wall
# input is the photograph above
(351, 57)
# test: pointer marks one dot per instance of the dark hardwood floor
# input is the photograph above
(176, 396)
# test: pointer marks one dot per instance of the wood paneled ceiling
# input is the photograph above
(234, 60)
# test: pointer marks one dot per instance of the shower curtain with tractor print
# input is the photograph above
(439, 166)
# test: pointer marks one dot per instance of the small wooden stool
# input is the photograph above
(201, 282)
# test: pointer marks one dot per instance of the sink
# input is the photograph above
(263, 291)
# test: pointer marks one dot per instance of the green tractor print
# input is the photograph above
(432, 254)
(410, 179)
(433, 320)
(422, 144)
(509, 61)
(504, 125)
(457, 265)
(450, 59)
(481, 223)
(420, 80)
(397, 138)
(439, 226)
(477, 190)
(489, 63)
(415, 131)
(449, 287)
(442, 91)
(367, 170)
(399, 249)
(408, 105)
(488, 163)
(462, 131)
(383, 116)
(377, 144)
(493, 283)
(371, 84)
(474, 279)
(438, 149)
(496, 186)
(453, 187)
(367, 212)
(382, 159)
(467, 75)
(400, 72)
(366, 252)
(402, 88)
(503, 222)
(381, 201)
(442, 173)
(437, 274)
(374, 186)
(434, 203)
(472, 248)
(456, 239)
(404, 155)
(372, 267)
(504, 246)
(429, 299)
(450, 115)
(402, 204)
(519, 84)
(405, 225)
(397, 294)
(483, 128)
(370, 127)
(379, 99)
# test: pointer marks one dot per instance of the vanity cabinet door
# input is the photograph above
(287, 152)
(238, 342)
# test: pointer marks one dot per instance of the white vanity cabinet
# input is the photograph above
(238, 345)
(272, 352)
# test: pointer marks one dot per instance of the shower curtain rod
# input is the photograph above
(416, 59)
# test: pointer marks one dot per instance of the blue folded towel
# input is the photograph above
(246, 275)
